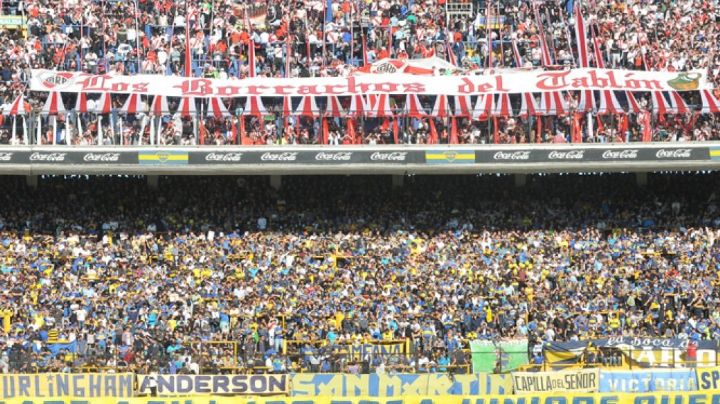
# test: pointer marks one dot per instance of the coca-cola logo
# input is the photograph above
(392, 156)
(47, 156)
(566, 155)
(223, 157)
(620, 154)
(673, 153)
(516, 155)
(6, 156)
(101, 157)
(286, 156)
(337, 156)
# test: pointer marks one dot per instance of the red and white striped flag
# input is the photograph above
(53, 105)
(188, 51)
(609, 103)
(710, 103)
(546, 59)
(581, 38)
(516, 54)
(448, 48)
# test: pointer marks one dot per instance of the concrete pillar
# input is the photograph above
(31, 181)
(398, 181)
(153, 181)
(520, 180)
(276, 181)
(641, 179)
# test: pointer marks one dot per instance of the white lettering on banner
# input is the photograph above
(339, 156)
(516, 82)
(392, 156)
(572, 380)
(287, 156)
(517, 155)
(6, 156)
(47, 156)
(223, 157)
(673, 154)
(104, 157)
(566, 155)
(620, 154)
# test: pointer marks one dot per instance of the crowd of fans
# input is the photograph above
(319, 38)
(214, 274)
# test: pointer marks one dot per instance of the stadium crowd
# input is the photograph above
(318, 38)
(130, 278)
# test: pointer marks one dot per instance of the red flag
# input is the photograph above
(538, 134)
(202, 131)
(243, 136)
(624, 124)
(385, 125)
(576, 128)
(188, 53)
(396, 131)
(647, 132)
(351, 130)
(453, 131)
(251, 59)
(433, 132)
(496, 131)
(390, 41)
(325, 131)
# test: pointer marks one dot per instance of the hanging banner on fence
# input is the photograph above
(537, 398)
(401, 84)
(380, 348)
(397, 385)
(512, 355)
(81, 386)
(188, 385)
(643, 381)
(708, 378)
(581, 380)
(641, 352)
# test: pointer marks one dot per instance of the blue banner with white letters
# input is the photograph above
(644, 381)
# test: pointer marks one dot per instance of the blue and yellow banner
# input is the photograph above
(60, 385)
(642, 381)
(539, 398)
(450, 157)
(708, 378)
(169, 157)
(194, 385)
(399, 385)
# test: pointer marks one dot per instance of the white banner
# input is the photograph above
(521, 82)
(585, 380)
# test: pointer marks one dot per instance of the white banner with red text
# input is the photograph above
(520, 82)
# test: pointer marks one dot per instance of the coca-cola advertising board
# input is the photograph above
(358, 157)
(315, 157)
